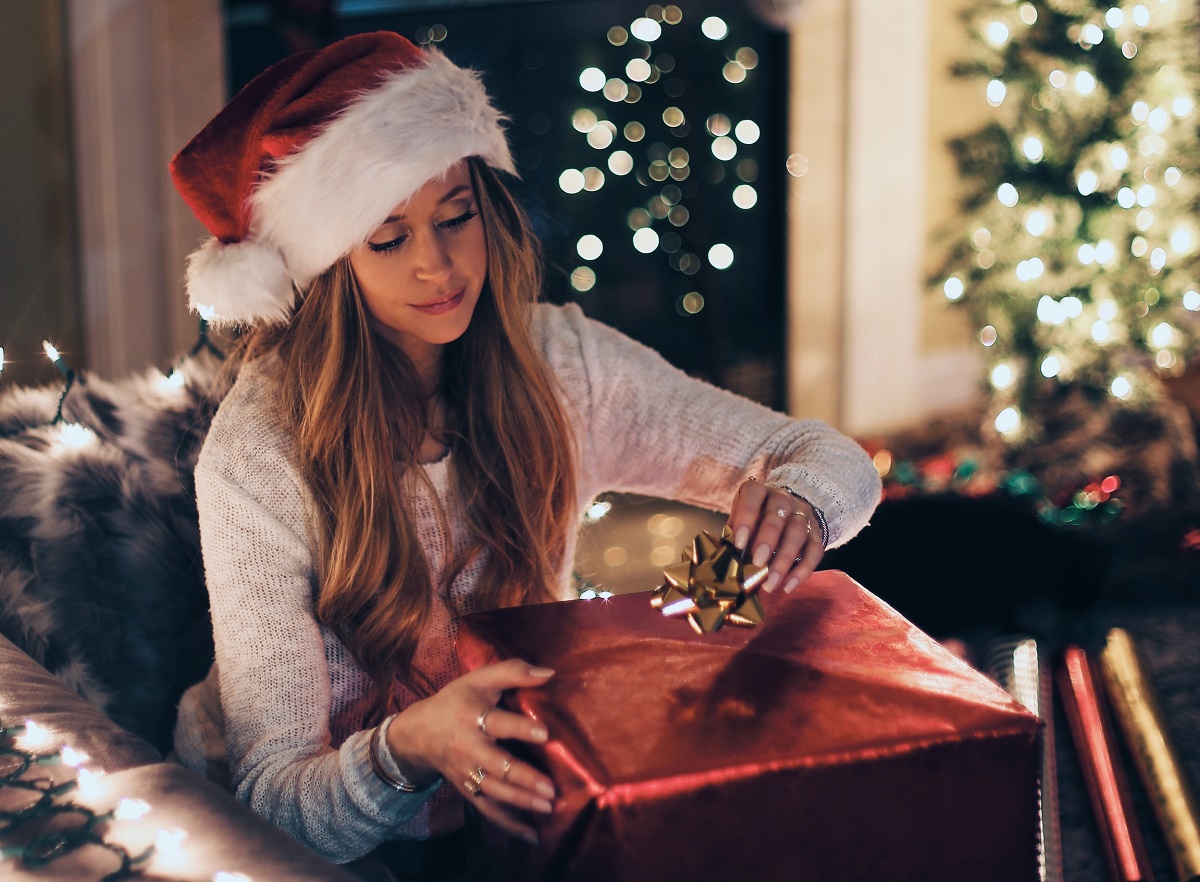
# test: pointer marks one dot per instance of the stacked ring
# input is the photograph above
(474, 782)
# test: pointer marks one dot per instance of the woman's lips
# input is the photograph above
(438, 307)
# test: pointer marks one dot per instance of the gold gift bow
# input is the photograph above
(712, 586)
(1135, 705)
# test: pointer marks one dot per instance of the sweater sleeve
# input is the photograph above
(270, 652)
(649, 428)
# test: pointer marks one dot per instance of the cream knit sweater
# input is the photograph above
(279, 718)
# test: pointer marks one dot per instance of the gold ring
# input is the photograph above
(506, 769)
(481, 720)
(474, 782)
(807, 522)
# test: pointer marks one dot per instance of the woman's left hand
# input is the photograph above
(776, 529)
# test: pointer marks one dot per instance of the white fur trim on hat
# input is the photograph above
(241, 283)
(335, 191)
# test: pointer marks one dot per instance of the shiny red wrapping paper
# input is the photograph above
(836, 741)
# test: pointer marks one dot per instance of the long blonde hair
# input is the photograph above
(359, 414)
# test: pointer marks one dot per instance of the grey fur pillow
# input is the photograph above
(101, 579)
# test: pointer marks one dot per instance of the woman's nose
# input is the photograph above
(432, 258)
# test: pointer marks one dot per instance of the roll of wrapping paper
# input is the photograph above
(1140, 717)
(1020, 665)
(1107, 785)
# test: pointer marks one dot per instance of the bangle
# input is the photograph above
(820, 515)
(400, 783)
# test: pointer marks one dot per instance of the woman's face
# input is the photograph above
(421, 271)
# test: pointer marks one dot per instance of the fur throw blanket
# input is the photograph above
(101, 578)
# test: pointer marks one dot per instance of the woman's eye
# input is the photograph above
(462, 219)
(390, 245)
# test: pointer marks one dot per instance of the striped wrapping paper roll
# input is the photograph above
(1139, 714)
(1107, 785)
(1020, 666)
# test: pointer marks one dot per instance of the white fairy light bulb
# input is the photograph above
(73, 435)
(589, 247)
(997, 33)
(720, 256)
(1033, 149)
(1126, 198)
(1051, 366)
(597, 510)
(996, 90)
(1121, 387)
(1087, 254)
(1087, 181)
(88, 784)
(1115, 17)
(1162, 335)
(1002, 376)
(1008, 421)
(131, 810)
(953, 288)
(35, 736)
(168, 847)
(207, 313)
(1119, 157)
(592, 79)
(645, 240)
(1007, 194)
(72, 757)
(1085, 83)
(1037, 223)
(646, 29)
(50, 350)
(1191, 300)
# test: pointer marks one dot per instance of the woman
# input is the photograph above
(410, 439)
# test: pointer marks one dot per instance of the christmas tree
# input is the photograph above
(1077, 247)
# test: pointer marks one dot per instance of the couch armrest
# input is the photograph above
(29, 691)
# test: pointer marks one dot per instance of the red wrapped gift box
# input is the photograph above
(834, 742)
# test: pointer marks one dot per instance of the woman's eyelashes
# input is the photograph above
(452, 225)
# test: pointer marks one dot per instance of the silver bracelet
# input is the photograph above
(378, 744)
(821, 522)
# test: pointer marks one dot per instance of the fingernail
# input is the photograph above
(792, 585)
(741, 537)
(541, 672)
(543, 806)
(529, 836)
(537, 733)
(772, 581)
(762, 554)
(545, 789)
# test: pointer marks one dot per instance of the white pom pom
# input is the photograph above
(244, 283)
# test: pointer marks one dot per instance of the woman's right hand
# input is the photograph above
(443, 734)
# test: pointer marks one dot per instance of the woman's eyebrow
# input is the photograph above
(447, 198)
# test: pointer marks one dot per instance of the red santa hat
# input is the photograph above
(312, 156)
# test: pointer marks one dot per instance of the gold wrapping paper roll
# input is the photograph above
(1135, 705)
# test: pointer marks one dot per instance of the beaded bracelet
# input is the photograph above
(821, 522)
(401, 783)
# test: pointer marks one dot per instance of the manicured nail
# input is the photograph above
(741, 537)
(543, 806)
(545, 789)
(772, 581)
(537, 733)
(792, 585)
(762, 554)
(529, 836)
(541, 672)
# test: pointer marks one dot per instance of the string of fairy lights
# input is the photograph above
(1077, 251)
(642, 147)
